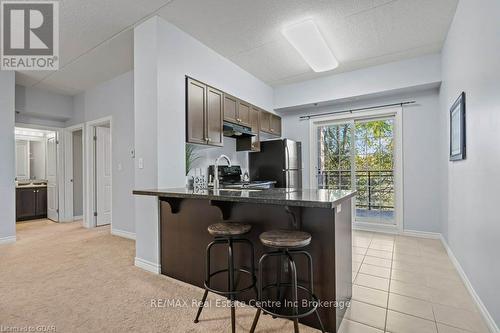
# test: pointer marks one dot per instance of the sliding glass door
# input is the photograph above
(359, 153)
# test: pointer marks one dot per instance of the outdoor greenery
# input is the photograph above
(370, 145)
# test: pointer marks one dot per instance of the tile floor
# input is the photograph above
(405, 285)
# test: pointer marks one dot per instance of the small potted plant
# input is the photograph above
(191, 158)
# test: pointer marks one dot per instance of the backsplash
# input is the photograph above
(208, 156)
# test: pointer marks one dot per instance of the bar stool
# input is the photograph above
(228, 233)
(287, 244)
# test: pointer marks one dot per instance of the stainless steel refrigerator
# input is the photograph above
(279, 160)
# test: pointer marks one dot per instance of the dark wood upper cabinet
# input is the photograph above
(270, 123)
(236, 111)
(243, 113)
(204, 114)
(255, 125)
(275, 125)
(215, 116)
(230, 108)
(196, 93)
(207, 108)
(265, 121)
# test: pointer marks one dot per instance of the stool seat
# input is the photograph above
(228, 229)
(285, 238)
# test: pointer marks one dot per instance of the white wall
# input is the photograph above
(421, 71)
(115, 98)
(40, 107)
(7, 172)
(421, 153)
(471, 226)
(163, 56)
(207, 156)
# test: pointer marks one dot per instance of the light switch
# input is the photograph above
(120, 168)
(339, 208)
(141, 163)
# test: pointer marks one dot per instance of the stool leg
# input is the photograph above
(255, 320)
(231, 283)
(200, 307)
(311, 285)
(293, 273)
(252, 265)
(207, 280)
(259, 292)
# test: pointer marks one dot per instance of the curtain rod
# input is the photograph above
(353, 110)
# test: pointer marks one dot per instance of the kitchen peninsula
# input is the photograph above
(185, 215)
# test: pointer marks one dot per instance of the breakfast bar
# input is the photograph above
(185, 215)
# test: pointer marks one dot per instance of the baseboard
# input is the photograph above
(78, 218)
(123, 233)
(7, 240)
(421, 234)
(371, 227)
(147, 265)
(482, 308)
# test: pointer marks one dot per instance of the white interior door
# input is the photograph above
(103, 175)
(52, 196)
(22, 159)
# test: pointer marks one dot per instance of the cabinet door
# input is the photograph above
(255, 124)
(25, 203)
(276, 125)
(230, 108)
(41, 202)
(265, 121)
(243, 113)
(214, 116)
(195, 112)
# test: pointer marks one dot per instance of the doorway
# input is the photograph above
(362, 152)
(37, 173)
(99, 159)
(77, 168)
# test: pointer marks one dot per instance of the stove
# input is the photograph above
(230, 177)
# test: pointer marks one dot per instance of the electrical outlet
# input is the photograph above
(141, 163)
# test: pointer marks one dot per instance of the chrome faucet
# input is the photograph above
(216, 170)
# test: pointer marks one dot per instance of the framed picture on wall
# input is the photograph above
(457, 129)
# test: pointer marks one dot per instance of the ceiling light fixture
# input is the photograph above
(308, 41)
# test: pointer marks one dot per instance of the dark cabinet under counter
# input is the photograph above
(31, 203)
(325, 214)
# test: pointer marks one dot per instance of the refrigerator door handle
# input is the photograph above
(287, 154)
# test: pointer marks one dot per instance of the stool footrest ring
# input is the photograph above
(235, 292)
(309, 311)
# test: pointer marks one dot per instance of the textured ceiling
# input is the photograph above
(96, 42)
(360, 33)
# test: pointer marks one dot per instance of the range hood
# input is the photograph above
(237, 131)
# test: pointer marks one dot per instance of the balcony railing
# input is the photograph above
(375, 187)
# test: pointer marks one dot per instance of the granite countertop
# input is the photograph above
(275, 196)
(32, 186)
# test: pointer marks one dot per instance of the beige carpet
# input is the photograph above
(79, 280)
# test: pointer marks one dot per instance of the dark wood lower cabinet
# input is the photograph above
(31, 203)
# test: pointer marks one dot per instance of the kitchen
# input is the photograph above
(266, 192)
(272, 166)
